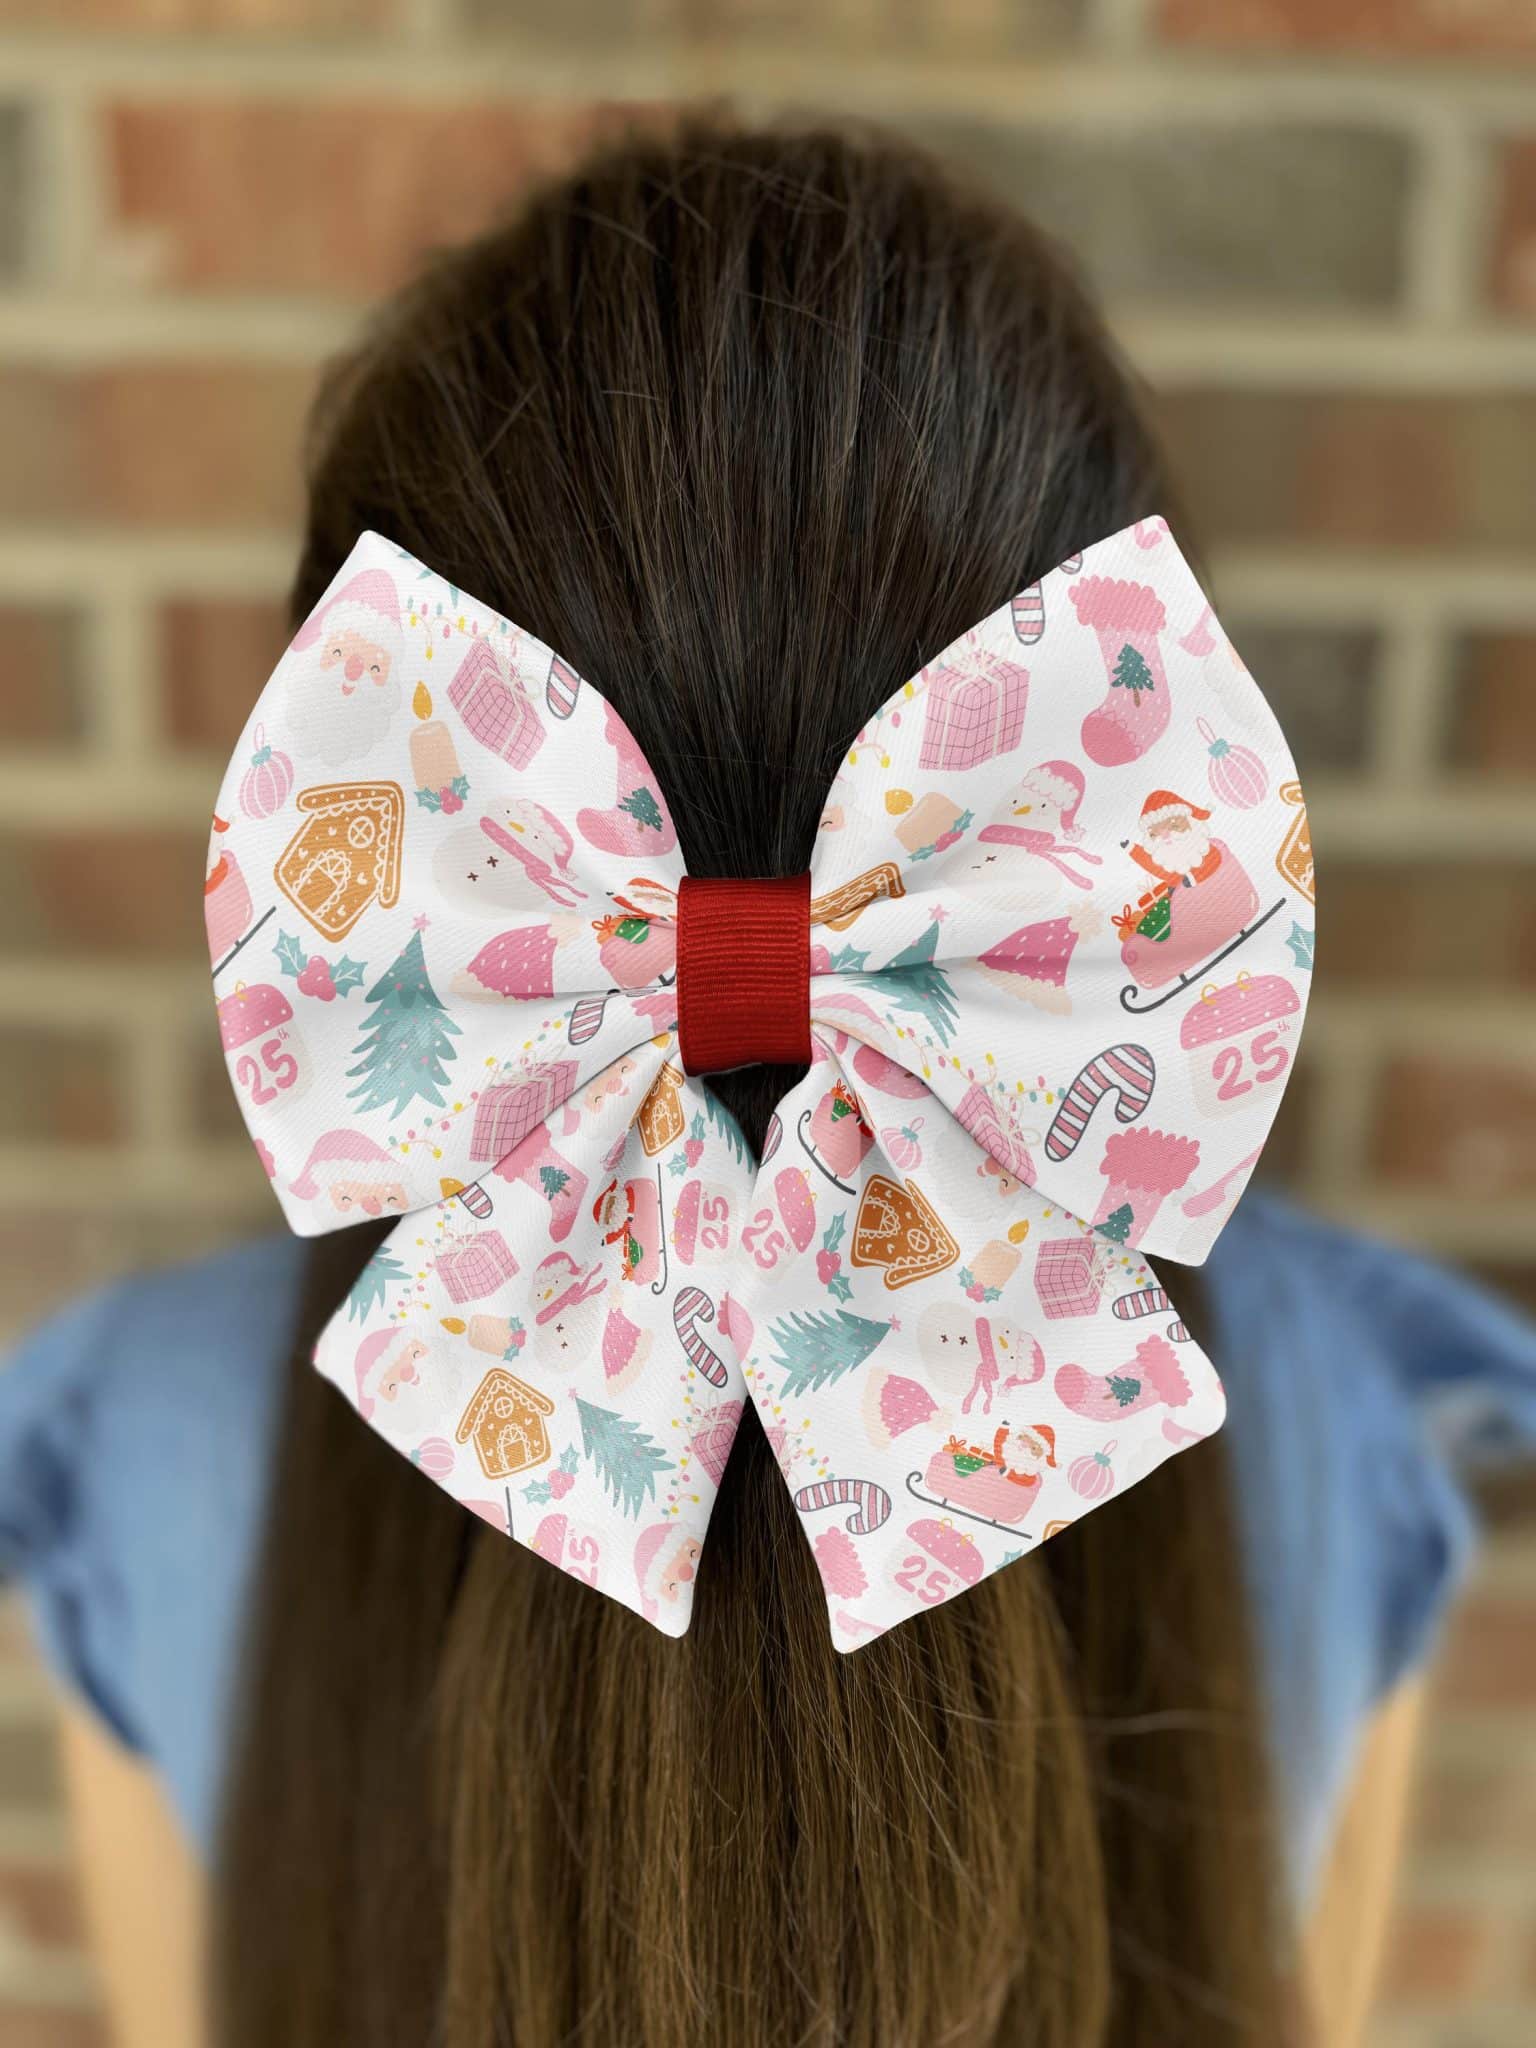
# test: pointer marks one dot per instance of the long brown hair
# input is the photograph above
(749, 426)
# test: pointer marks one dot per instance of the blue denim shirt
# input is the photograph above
(136, 1432)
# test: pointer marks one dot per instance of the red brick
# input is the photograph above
(40, 699)
(1493, 727)
(47, 2026)
(60, 1084)
(123, 894)
(1422, 468)
(211, 1107)
(42, 1905)
(208, 445)
(29, 1775)
(1490, 1658)
(1285, 1152)
(44, 1260)
(1486, 1804)
(1469, 1128)
(215, 655)
(1435, 1955)
(220, 17)
(1513, 278)
(340, 198)
(1408, 28)
(1449, 928)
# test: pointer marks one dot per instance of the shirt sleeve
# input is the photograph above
(1363, 1382)
(51, 1540)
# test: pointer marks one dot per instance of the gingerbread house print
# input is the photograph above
(345, 855)
(505, 1422)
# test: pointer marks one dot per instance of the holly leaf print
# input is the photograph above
(678, 1163)
(848, 960)
(291, 956)
(347, 973)
(1300, 943)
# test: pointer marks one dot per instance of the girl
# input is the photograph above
(748, 425)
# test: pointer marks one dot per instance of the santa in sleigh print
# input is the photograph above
(997, 1485)
(1201, 907)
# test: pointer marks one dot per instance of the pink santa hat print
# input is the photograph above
(666, 1561)
(343, 668)
(367, 605)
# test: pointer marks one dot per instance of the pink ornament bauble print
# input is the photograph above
(265, 785)
(1092, 1476)
(1237, 774)
(434, 1457)
(903, 1147)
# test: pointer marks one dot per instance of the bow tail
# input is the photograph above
(950, 1368)
(548, 1345)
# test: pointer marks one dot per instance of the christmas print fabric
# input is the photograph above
(1061, 939)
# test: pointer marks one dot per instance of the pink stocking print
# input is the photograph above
(1061, 935)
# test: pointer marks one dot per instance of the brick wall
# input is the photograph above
(1316, 224)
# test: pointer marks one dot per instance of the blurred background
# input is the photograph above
(1315, 224)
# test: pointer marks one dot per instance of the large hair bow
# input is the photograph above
(1048, 970)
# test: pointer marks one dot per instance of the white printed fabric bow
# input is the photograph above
(1061, 934)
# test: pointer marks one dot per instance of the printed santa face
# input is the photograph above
(1025, 1450)
(343, 671)
(388, 1366)
(1176, 834)
(665, 1562)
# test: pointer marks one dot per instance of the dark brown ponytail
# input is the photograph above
(748, 425)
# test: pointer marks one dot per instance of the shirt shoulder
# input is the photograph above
(136, 1432)
(1362, 1382)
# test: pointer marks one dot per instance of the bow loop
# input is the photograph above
(1059, 938)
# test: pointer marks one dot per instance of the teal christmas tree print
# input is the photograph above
(381, 1273)
(913, 982)
(403, 1054)
(1117, 1225)
(815, 1348)
(643, 808)
(1131, 673)
(626, 1459)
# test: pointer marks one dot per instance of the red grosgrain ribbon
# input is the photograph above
(743, 973)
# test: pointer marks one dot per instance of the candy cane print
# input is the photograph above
(1128, 1069)
(1141, 1301)
(1150, 1301)
(694, 1302)
(561, 688)
(871, 1503)
(1029, 614)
